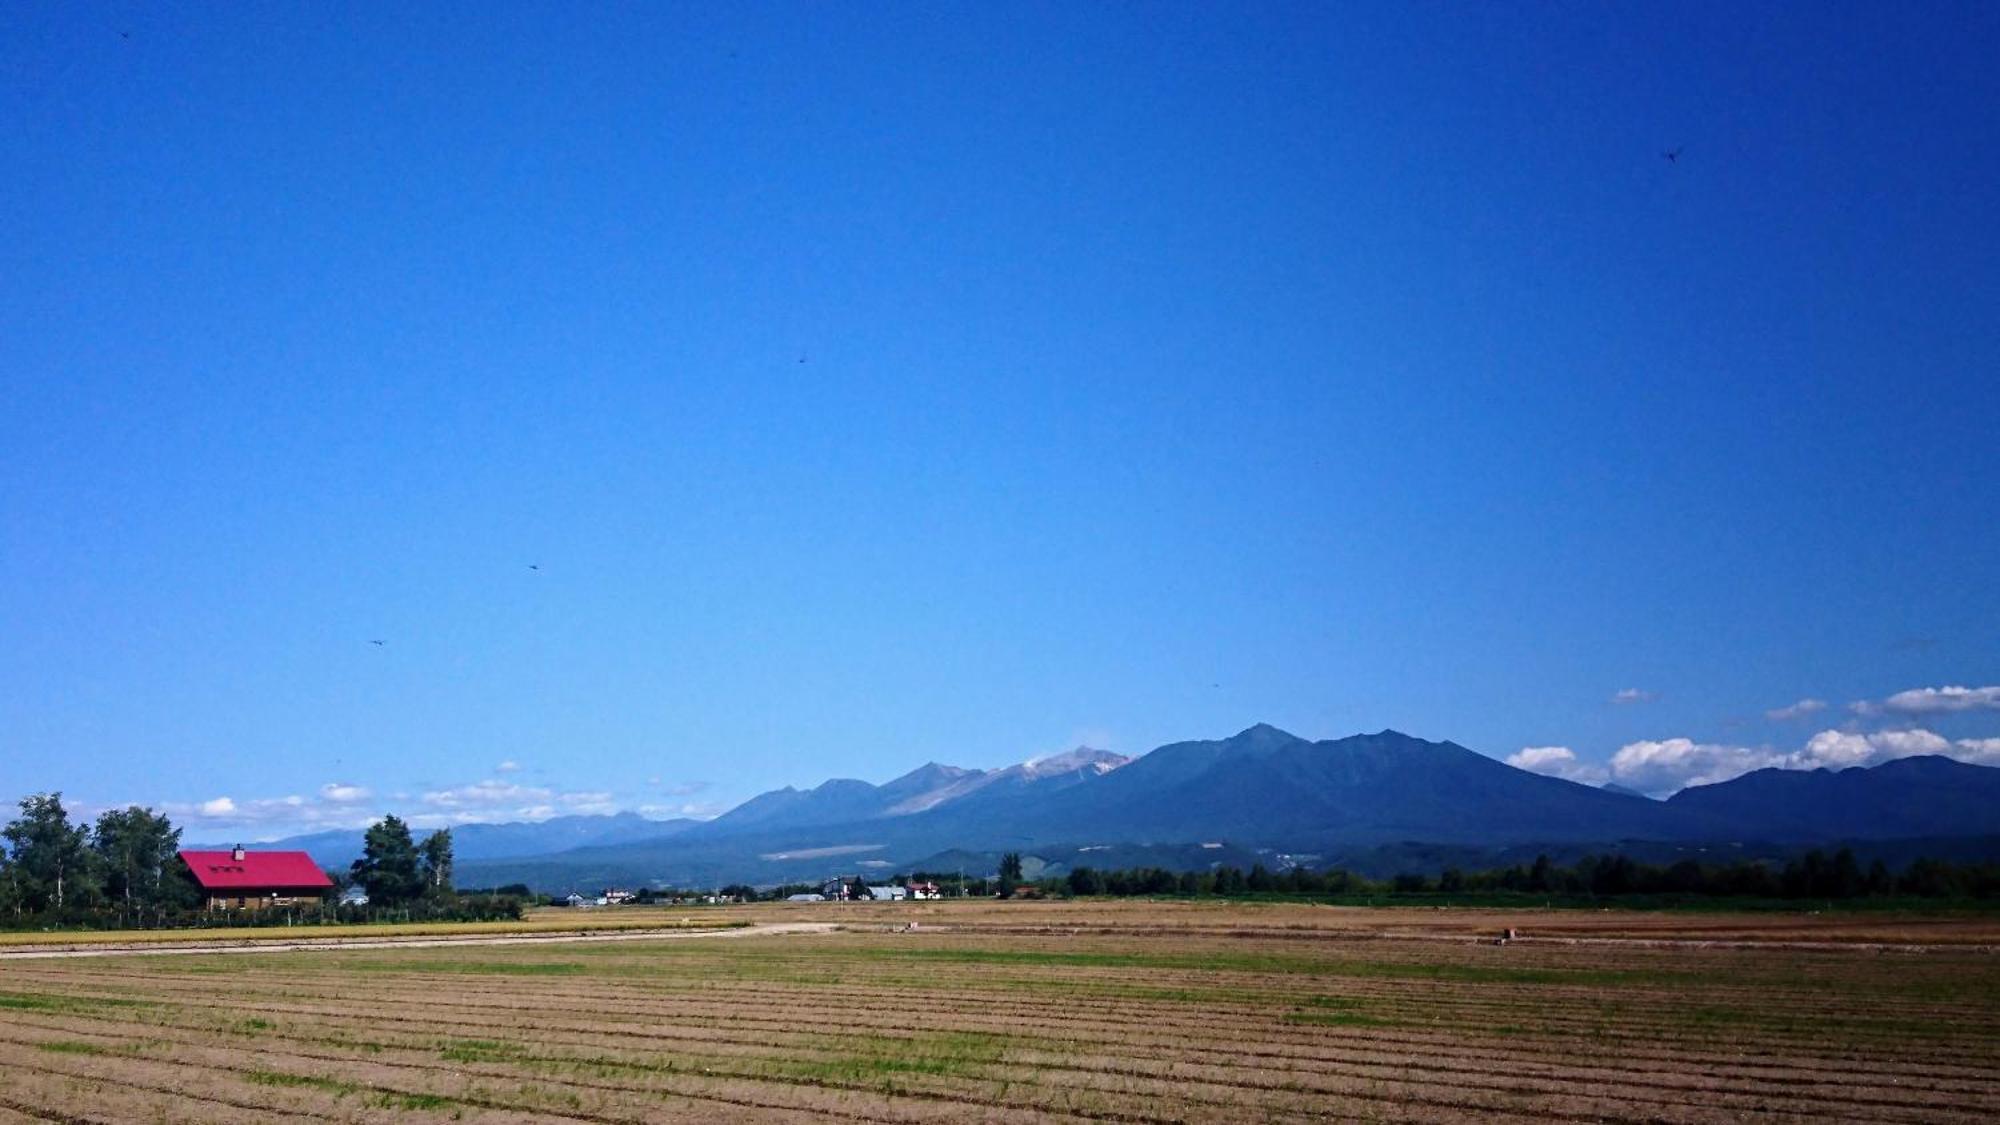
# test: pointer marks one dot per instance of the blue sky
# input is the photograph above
(960, 383)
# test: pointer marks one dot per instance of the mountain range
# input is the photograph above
(1262, 792)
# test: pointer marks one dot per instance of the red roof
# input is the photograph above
(264, 871)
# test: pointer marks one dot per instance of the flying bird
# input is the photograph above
(378, 642)
(1673, 155)
(534, 566)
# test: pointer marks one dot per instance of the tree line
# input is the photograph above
(127, 864)
(125, 870)
(1815, 875)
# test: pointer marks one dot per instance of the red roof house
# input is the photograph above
(242, 878)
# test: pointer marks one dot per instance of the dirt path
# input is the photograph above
(346, 943)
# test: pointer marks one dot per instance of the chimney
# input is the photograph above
(237, 855)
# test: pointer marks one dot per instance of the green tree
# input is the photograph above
(1086, 881)
(436, 857)
(1879, 881)
(137, 852)
(1010, 873)
(10, 890)
(51, 857)
(1541, 877)
(387, 869)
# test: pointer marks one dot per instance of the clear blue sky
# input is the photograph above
(958, 382)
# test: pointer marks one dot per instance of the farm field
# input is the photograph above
(549, 922)
(1117, 1011)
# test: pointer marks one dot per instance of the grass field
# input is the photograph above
(1121, 1011)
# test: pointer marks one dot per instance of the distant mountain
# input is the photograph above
(1371, 801)
(1921, 796)
(924, 789)
(1622, 791)
(1270, 788)
(471, 843)
(1262, 790)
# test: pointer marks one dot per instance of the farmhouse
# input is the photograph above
(244, 880)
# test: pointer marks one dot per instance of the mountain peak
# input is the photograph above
(1069, 761)
(928, 774)
(1262, 730)
(1261, 738)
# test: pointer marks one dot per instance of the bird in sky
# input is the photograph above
(534, 566)
(1673, 155)
(378, 642)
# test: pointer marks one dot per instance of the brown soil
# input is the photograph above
(1138, 1012)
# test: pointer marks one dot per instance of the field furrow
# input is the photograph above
(1276, 1016)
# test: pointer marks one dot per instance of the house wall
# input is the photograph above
(251, 899)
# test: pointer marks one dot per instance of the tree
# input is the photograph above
(387, 869)
(51, 856)
(137, 851)
(1541, 876)
(1010, 873)
(1085, 881)
(10, 890)
(436, 855)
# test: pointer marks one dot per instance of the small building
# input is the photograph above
(245, 880)
(354, 896)
(890, 893)
(805, 898)
(615, 897)
(925, 891)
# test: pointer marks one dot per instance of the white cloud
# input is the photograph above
(1557, 761)
(697, 810)
(508, 766)
(1797, 710)
(270, 816)
(1978, 751)
(488, 794)
(1632, 695)
(595, 804)
(344, 804)
(1676, 763)
(1949, 700)
(495, 801)
(1944, 700)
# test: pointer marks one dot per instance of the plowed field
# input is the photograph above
(1115, 1012)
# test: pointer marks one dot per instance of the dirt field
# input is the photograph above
(1106, 1011)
